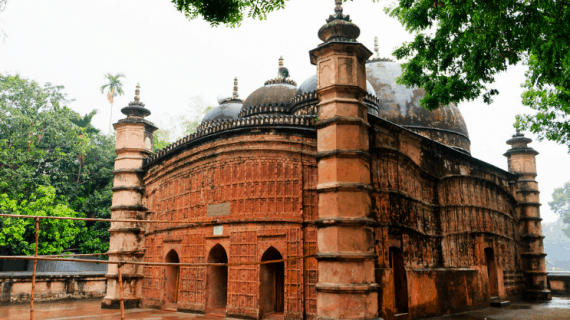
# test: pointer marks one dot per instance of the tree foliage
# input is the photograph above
(560, 204)
(18, 235)
(45, 144)
(228, 12)
(114, 88)
(460, 47)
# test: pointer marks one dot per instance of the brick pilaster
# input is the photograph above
(522, 161)
(346, 287)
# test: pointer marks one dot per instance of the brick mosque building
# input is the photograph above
(399, 220)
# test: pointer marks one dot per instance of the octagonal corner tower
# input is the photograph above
(401, 106)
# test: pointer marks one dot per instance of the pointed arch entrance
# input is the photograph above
(272, 283)
(492, 272)
(171, 280)
(400, 280)
(217, 282)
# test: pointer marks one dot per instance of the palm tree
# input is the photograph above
(114, 88)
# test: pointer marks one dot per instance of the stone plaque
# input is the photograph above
(218, 230)
(220, 209)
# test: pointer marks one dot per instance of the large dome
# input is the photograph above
(401, 105)
(310, 85)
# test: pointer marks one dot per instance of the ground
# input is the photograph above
(557, 309)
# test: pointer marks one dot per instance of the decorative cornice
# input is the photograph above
(248, 111)
(279, 81)
(212, 127)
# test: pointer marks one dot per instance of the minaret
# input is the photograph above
(522, 162)
(133, 143)
(346, 287)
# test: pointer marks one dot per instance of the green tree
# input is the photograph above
(229, 12)
(44, 143)
(17, 236)
(460, 46)
(114, 88)
(560, 204)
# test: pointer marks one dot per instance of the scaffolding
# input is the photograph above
(63, 257)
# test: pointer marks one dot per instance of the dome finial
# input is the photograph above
(137, 101)
(338, 13)
(282, 72)
(235, 94)
(339, 27)
(376, 49)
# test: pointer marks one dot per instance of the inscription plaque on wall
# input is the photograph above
(218, 230)
(220, 209)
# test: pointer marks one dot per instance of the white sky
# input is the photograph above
(74, 43)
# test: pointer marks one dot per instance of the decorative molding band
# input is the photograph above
(343, 186)
(354, 288)
(530, 204)
(530, 219)
(139, 252)
(342, 221)
(133, 208)
(128, 188)
(119, 171)
(343, 153)
(341, 120)
(358, 256)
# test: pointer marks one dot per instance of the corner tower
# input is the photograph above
(522, 161)
(346, 287)
(133, 143)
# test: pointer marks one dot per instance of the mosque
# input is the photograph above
(373, 206)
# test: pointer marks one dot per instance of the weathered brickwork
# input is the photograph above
(367, 217)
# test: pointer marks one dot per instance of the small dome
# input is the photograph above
(401, 105)
(310, 85)
(228, 109)
(279, 93)
(274, 97)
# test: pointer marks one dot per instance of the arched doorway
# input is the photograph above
(171, 280)
(272, 284)
(492, 272)
(217, 281)
(400, 280)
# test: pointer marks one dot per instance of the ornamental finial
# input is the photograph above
(338, 13)
(282, 72)
(338, 7)
(376, 49)
(137, 93)
(137, 101)
(235, 94)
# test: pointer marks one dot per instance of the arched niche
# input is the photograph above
(272, 284)
(400, 280)
(217, 281)
(171, 280)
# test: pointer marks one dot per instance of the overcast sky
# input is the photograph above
(74, 43)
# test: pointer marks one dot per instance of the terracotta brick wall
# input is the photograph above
(442, 209)
(269, 182)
